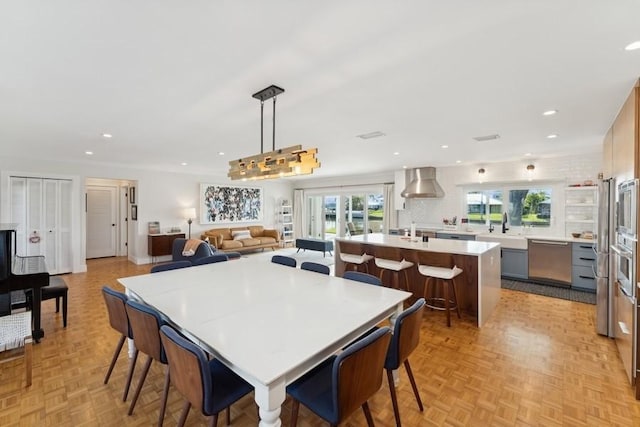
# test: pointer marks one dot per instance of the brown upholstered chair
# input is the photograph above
(145, 325)
(115, 302)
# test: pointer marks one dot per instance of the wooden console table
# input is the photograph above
(161, 244)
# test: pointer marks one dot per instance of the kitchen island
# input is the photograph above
(479, 284)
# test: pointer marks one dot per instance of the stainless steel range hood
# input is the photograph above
(421, 182)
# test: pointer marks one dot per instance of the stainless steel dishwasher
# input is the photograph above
(550, 261)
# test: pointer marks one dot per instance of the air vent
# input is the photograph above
(486, 137)
(370, 135)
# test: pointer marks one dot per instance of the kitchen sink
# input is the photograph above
(510, 241)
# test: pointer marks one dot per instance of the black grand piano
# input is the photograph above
(20, 273)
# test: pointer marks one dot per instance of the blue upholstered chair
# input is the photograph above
(118, 319)
(208, 385)
(203, 250)
(362, 277)
(284, 260)
(145, 325)
(338, 386)
(174, 265)
(314, 266)
(211, 259)
(405, 339)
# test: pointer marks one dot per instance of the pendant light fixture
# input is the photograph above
(289, 161)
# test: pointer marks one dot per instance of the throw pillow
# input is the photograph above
(241, 234)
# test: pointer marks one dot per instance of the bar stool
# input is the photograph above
(441, 269)
(354, 254)
(391, 260)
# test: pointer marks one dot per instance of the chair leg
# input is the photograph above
(185, 412)
(57, 304)
(114, 358)
(165, 395)
(445, 287)
(455, 297)
(132, 367)
(367, 414)
(214, 418)
(28, 360)
(64, 310)
(229, 415)
(406, 281)
(394, 397)
(143, 377)
(413, 384)
(295, 405)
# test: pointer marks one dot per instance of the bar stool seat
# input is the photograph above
(391, 260)
(440, 270)
(354, 254)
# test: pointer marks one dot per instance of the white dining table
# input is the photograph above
(268, 323)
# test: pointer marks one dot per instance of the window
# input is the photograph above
(526, 206)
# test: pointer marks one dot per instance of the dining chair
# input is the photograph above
(362, 277)
(145, 325)
(118, 319)
(207, 385)
(284, 260)
(174, 265)
(405, 339)
(211, 259)
(314, 266)
(338, 386)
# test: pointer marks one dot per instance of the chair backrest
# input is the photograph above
(387, 252)
(211, 259)
(115, 302)
(188, 367)
(435, 259)
(284, 260)
(203, 250)
(314, 266)
(351, 248)
(174, 265)
(357, 371)
(362, 277)
(145, 325)
(406, 335)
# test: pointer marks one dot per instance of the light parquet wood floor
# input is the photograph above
(537, 362)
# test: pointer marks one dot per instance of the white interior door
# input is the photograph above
(101, 221)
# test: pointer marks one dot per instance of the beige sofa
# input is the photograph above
(238, 239)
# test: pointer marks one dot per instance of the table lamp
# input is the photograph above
(189, 214)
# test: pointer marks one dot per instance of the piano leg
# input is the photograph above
(38, 332)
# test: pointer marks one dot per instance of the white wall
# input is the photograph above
(160, 196)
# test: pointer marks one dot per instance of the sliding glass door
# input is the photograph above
(350, 214)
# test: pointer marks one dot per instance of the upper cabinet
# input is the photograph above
(624, 139)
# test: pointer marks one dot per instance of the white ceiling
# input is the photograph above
(172, 80)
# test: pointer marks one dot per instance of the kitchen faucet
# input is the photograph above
(504, 223)
(491, 227)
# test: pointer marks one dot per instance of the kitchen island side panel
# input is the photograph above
(489, 283)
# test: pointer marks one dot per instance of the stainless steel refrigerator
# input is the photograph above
(604, 276)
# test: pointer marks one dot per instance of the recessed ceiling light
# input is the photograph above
(107, 135)
(444, 146)
(550, 112)
(89, 153)
(458, 161)
(633, 46)
(183, 164)
(220, 153)
(404, 167)
(395, 153)
(527, 154)
(370, 135)
(552, 136)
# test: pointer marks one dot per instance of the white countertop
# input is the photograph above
(458, 247)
